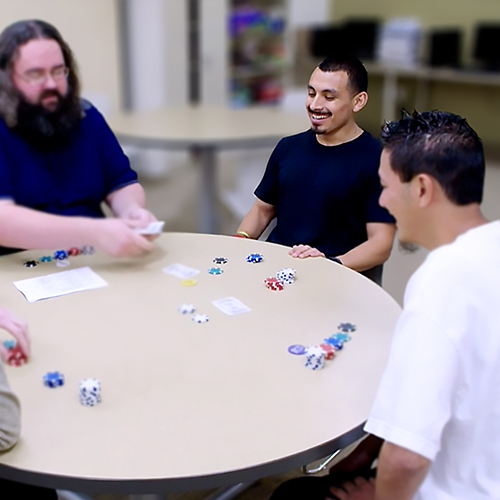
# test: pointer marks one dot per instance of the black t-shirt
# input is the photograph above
(324, 195)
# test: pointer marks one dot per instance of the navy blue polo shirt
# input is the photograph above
(72, 179)
(324, 195)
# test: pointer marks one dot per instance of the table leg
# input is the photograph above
(228, 492)
(207, 203)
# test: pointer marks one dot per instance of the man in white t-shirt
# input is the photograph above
(435, 423)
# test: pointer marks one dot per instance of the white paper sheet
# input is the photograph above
(155, 227)
(57, 284)
(180, 271)
(231, 306)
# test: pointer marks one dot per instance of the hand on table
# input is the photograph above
(18, 329)
(117, 238)
(359, 489)
(303, 251)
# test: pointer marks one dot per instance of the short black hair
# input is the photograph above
(358, 76)
(442, 145)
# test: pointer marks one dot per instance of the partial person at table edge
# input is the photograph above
(59, 159)
(322, 185)
(433, 427)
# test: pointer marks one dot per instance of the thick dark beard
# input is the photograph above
(48, 129)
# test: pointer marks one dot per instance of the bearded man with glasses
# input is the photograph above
(59, 159)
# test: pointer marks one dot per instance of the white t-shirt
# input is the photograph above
(440, 393)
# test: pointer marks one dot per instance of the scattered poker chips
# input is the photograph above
(53, 379)
(200, 318)
(61, 256)
(16, 357)
(255, 258)
(186, 309)
(215, 270)
(317, 355)
(219, 260)
(274, 284)
(90, 392)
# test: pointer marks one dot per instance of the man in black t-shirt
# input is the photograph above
(322, 185)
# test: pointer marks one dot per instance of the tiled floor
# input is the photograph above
(173, 198)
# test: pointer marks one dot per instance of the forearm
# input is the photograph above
(25, 228)
(373, 252)
(257, 220)
(400, 473)
(125, 200)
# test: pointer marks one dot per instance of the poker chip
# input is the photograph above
(215, 270)
(16, 357)
(200, 318)
(53, 379)
(74, 251)
(219, 260)
(286, 276)
(186, 309)
(60, 255)
(31, 263)
(90, 392)
(9, 344)
(297, 349)
(347, 327)
(46, 258)
(274, 284)
(255, 258)
(62, 263)
(329, 351)
(337, 344)
(87, 250)
(188, 282)
(342, 337)
(315, 358)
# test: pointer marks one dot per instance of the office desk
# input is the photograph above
(204, 130)
(191, 406)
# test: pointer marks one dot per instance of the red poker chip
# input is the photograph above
(274, 284)
(329, 351)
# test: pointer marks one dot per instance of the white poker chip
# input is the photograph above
(200, 318)
(186, 309)
(62, 263)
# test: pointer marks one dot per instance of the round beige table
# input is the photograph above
(190, 406)
(204, 130)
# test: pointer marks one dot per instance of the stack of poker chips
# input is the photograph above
(53, 379)
(90, 392)
(16, 356)
(286, 276)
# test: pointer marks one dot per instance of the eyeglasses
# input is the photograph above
(39, 76)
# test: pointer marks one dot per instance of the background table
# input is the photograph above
(204, 130)
(191, 406)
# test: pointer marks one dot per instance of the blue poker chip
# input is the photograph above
(297, 349)
(335, 343)
(215, 270)
(347, 327)
(60, 255)
(46, 258)
(9, 344)
(53, 379)
(342, 337)
(255, 258)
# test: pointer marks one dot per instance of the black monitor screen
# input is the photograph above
(486, 48)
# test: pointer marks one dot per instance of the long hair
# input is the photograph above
(11, 39)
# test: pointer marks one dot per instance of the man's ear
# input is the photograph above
(359, 101)
(424, 188)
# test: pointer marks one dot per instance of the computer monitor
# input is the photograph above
(486, 46)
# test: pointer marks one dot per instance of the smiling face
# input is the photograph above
(37, 73)
(331, 102)
(398, 199)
